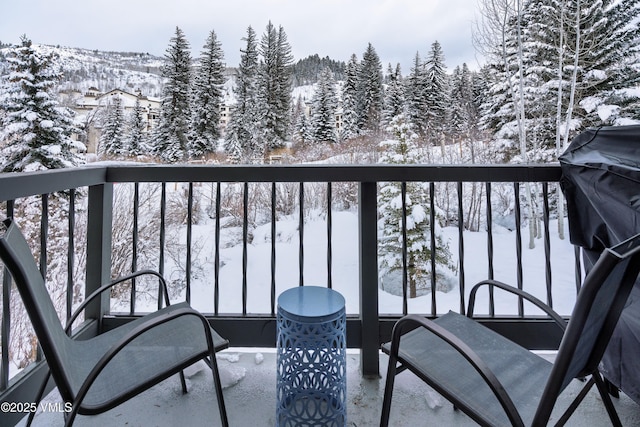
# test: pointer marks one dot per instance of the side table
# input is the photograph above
(311, 358)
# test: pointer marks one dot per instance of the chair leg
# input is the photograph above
(574, 405)
(213, 364)
(183, 383)
(388, 391)
(606, 399)
(69, 417)
(38, 398)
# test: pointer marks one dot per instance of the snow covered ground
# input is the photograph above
(345, 267)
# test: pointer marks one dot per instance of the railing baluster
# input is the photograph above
(273, 248)
(216, 262)
(134, 245)
(490, 249)
(189, 234)
(301, 235)
(547, 242)
(518, 218)
(163, 217)
(461, 248)
(44, 239)
(44, 231)
(245, 234)
(405, 270)
(71, 251)
(432, 230)
(329, 239)
(6, 316)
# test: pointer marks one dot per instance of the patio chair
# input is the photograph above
(495, 381)
(99, 373)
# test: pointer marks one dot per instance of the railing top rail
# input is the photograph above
(334, 173)
(16, 185)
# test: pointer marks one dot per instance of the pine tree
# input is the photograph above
(36, 132)
(402, 150)
(275, 85)
(416, 90)
(301, 128)
(112, 140)
(242, 138)
(436, 99)
(394, 102)
(462, 113)
(136, 141)
(350, 100)
(323, 109)
(208, 92)
(171, 136)
(370, 92)
(577, 64)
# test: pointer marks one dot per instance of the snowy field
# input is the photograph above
(345, 267)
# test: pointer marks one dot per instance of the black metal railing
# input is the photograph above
(367, 327)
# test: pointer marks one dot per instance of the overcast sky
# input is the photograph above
(397, 29)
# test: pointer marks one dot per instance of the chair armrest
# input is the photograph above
(133, 334)
(414, 320)
(101, 289)
(533, 300)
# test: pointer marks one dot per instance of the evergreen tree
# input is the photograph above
(350, 100)
(323, 109)
(578, 70)
(243, 142)
(136, 141)
(208, 86)
(462, 112)
(402, 150)
(436, 99)
(416, 90)
(302, 127)
(36, 132)
(370, 92)
(394, 104)
(275, 85)
(171, 136)
(112, 140)
(307, 71)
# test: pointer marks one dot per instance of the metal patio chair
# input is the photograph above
(99, 373)
(495, 381)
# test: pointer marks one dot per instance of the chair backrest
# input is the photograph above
(600, 302)
(17, 257)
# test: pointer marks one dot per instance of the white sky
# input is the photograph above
(397, 29)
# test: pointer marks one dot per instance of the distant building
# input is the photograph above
(90, 105)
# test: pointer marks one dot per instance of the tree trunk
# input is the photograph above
(559, 146)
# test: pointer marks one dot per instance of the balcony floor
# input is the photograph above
(250, 398)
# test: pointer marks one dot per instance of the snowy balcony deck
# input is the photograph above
(250, 380)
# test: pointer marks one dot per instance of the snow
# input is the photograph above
(345, 275)
(606, 111)
(54, 150)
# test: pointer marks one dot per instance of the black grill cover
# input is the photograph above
(601, 182)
